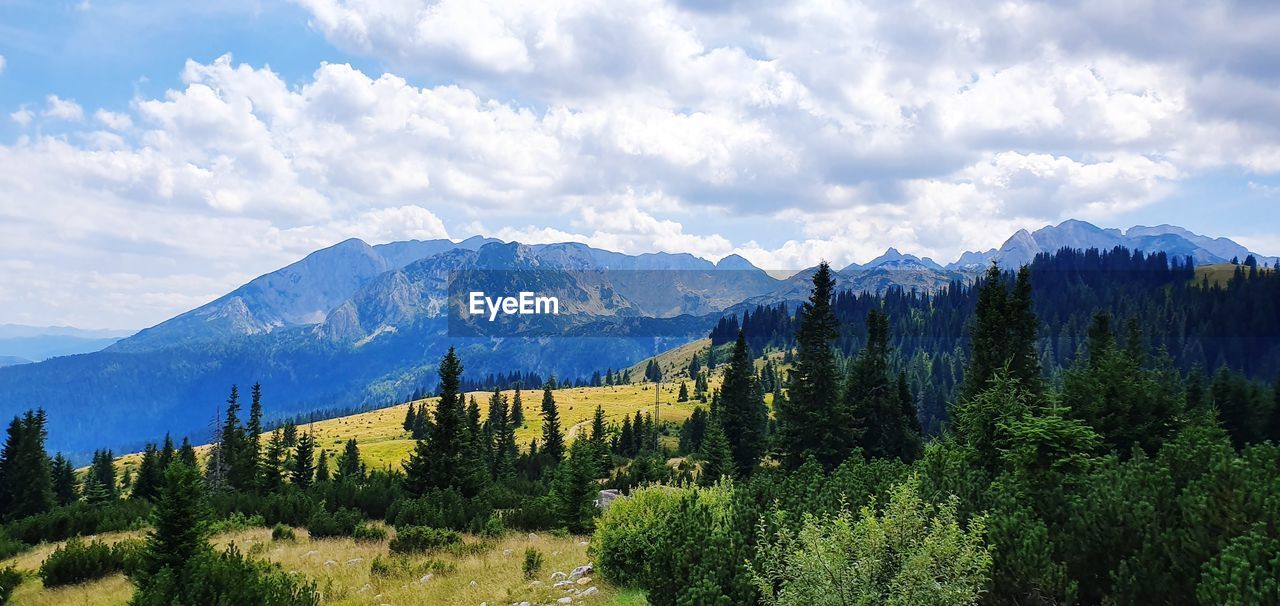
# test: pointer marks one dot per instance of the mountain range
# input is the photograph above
(20, 344)
(360, 325)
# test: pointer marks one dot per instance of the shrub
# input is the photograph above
(493, 528)
(369, 532)
(236, 522)
(81, 519)
(913, 553)
(226, 578)
(10, 578)
(396, 566)
(77, 561)
(417, 539)
(627, 531)
(10, 546)
(439, 509)
(280, 532)
(532, 563)
(341, 523)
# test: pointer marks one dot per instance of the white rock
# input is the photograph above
(311, 553)
(354, 561)
(564, 601)
(473, 584)
(589, 591)
(425, 578)
(377, 597)
(558, 576)
(564, 584)
(330, 562)
(506, 552)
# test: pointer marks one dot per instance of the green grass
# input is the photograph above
(1220, 274)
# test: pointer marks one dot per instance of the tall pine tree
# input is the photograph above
(810, 422)
(743, 415)
(552, 438)
(437, 461)
(26, 480)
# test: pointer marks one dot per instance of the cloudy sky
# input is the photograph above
(154, 156)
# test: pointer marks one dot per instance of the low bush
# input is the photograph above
(341, 523)
(226, 578)
(280, 532)
(236, 522)
(493, 528)
(532, 563)
(10, 578)
(417, 539)
(81, 519)
(10, 546)
(396, 566)
(369, 532)
(77, 561)
(440, 509)
(628, 530)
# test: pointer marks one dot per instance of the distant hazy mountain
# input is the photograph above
(12, 361)
(22, 344)
(356, 324)
(1023, 246)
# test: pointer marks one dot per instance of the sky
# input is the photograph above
(154, 156)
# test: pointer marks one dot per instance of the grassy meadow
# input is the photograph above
(481, 571)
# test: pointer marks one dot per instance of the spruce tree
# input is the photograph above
(693, 431)
(552, 438)
(437, 462)
(349, 467)
(187, 453)
(503, 437)
(1003, 334)
(626, 438)
(517, 410)
(574, 488)
(103, 472)
(26, 481)
(232, 447)
(253, 440)
(882, 411)
(716, 454)
(322, 467)
(65, 489)
(743, 416)
(150, 475)
(304, 470)
(167, 454)
(271, 467)
(810, 422)
(410, 418)
(179, 533)
(684, 393)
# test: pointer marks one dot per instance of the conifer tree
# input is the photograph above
(574, 489)
(517, 410)
(150, 475)
(743, 416)
(683, 396)
(626, 438)
(410, 418)
(1003, 334)
(187, 453)
(437, 462)
(65, 490)
(503, 437)
(179, 533)
(810, 422)
(26, 481)
(271, 467)
(552, 438)
(253, 440)
(322, 467)
(167, 455)
(103, 473)
(349, 467)
(716, 453)
(304, 470)
(232, 447)
(693, 431)
(600, 440)
(883, 414)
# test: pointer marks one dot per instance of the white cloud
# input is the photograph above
(113, 120)
(62, 109)
(785, 132)
(3, 64)
(23, 116)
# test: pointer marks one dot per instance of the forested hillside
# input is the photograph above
(1119, 473)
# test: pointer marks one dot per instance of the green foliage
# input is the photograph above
(419, 539)
(532, 563)
(399, 566)
(180, 525)
(341, 523)
(10, 546)
(80, 518)
(574, 487)
(913, 553)
(369, 533)
(1245, 572)
(76, 561)
(280, 532)
(811, 421)
(439, 509)
(236, 522)
(552, 436)
(742, 414)
(10, 578)
(882, 412)
(26, 480)
(226, 578)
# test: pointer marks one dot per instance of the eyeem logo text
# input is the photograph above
(523, 304)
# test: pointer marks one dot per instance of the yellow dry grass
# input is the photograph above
(486, 571)
(1220, 274)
